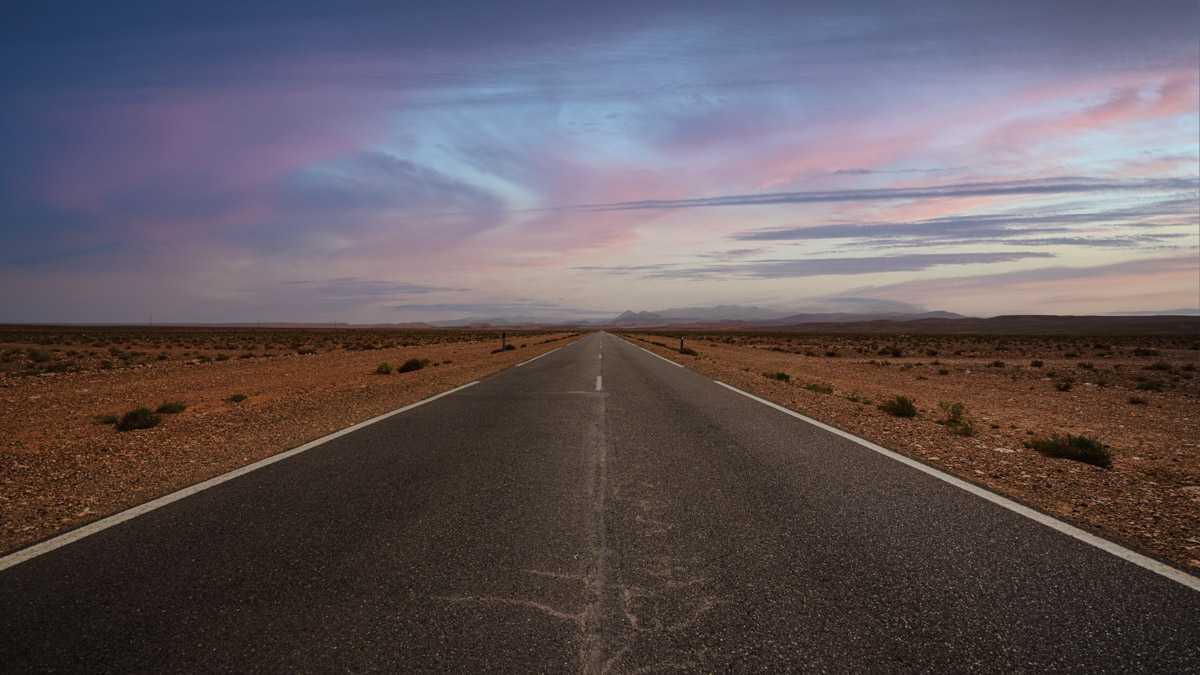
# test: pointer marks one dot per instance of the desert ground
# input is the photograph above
(242, 394)
(1137, 396)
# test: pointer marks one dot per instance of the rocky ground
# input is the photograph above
(1143, 402)
(60, 467)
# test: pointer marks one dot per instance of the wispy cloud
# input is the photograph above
(1049, 186)
(1005, 228)
(814, 267)
(350, 288)
(1167, 281)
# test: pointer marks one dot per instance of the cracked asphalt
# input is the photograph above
(534, 524)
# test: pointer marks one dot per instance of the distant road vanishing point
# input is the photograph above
(598, 509)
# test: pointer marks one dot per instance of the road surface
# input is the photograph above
(598, 509)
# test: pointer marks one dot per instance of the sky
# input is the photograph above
(393, 162)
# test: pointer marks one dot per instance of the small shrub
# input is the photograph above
(900, 406)
(1145, 352)
(38, 356)
(384, 368)
(1159, 365)
(105, 419)
(171, 408)
(414, 364)
(780, 376)
(943, 371)
(1151, 385)
(1138, 400)
(831, 354)
(237, 398)
(819, 388)
(1036, 363)
(996, 364)
(1078, 448)
(1064, 384)
(139, 418)
(1085, 365)
(956, 418)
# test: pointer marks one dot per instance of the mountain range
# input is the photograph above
(760, 317)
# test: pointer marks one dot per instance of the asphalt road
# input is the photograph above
(533, 523)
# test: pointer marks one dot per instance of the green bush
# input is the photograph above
(384, 368)
(1151, 385)
(1137, 400)
(1078, 448)
(900, 406)
(171, 407)
(236, 398)
(1064, 384)
(139, 418)
(780, 376)
(819, 388)
(415, 364)
(956, 418)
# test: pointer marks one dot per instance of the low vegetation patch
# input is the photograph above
(171, 408)
(1078, 448)
(384, 368)
(900, 406)
(417, 364)
(1150, 385)
(237, 398)
(138, 418)
(817, 387)
(105, 419)
(955, 418)
(1138, 400)
(780, 376)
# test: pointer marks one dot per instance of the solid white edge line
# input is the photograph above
(1051, 522)
(538, 357)
(626, 340)
(677, 365)
(61, 540)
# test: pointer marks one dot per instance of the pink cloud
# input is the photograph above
(1127, 105)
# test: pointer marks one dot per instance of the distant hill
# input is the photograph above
(846, 317)
(757, 316)
(932, 323)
